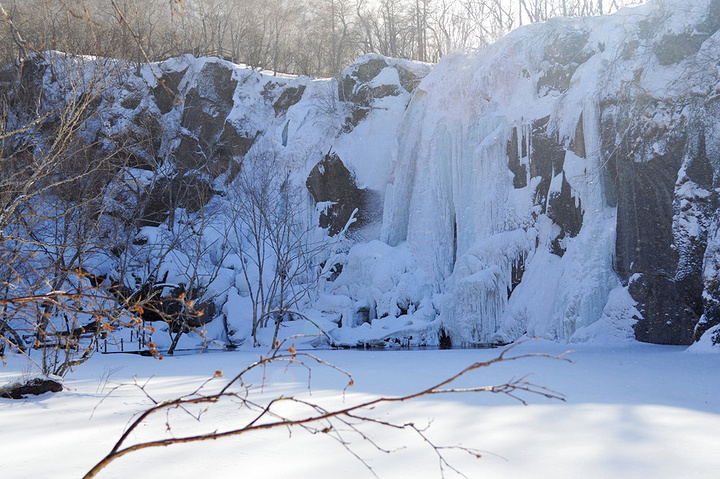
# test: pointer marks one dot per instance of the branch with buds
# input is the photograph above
(337, 423)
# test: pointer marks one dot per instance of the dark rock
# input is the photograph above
(361, 316)
(566, 54)
(353, 86)
(156, 207)
(518, 169)
(644, 180)
(346, 88)
(369, 69)
(139, 145)
(445, 341)
(516, 275)
(288, 98)
(331, 181)
(189, 155)
(556, 78)
(356, 115)
(360, 74)
(665, 318)
(384, 90)
(409, 79)
(191, 192)
(131, 102)
(182, 191)
(208, 103)
(35, 386)
(235, 144)
(569, 48)
(268, 91)
(557, 245)
(700, 170)
(645, 163)
(673, 49)
(565, 210)
(712, 22)
(215, 158)
(577, 144)
(547, 157)
(166, 93)
(230, 149)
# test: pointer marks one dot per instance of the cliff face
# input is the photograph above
(567, 163)
(561, 183)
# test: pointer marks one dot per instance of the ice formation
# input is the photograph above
(503, 168)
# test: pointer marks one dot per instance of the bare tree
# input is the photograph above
(316, 37)
(53, 199)
(272, 239)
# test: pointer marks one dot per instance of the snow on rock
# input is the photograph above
(616, 321)
(381, 296)
(562, 182)
(708, 342)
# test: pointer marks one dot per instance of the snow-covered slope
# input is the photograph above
(560, 183)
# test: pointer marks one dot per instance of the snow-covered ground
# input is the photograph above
(632, 411)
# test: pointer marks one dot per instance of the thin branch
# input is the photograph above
(321, 419)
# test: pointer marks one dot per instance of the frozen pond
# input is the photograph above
(634, 411)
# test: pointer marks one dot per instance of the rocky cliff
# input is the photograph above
(562, 182)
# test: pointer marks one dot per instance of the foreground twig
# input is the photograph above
(318, 419)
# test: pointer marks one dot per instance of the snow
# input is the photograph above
(632, 411)
(380, 296)
(708, 342)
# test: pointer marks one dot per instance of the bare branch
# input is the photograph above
(320, 419)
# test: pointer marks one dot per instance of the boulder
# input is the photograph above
(331, 182)
(34, 387)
